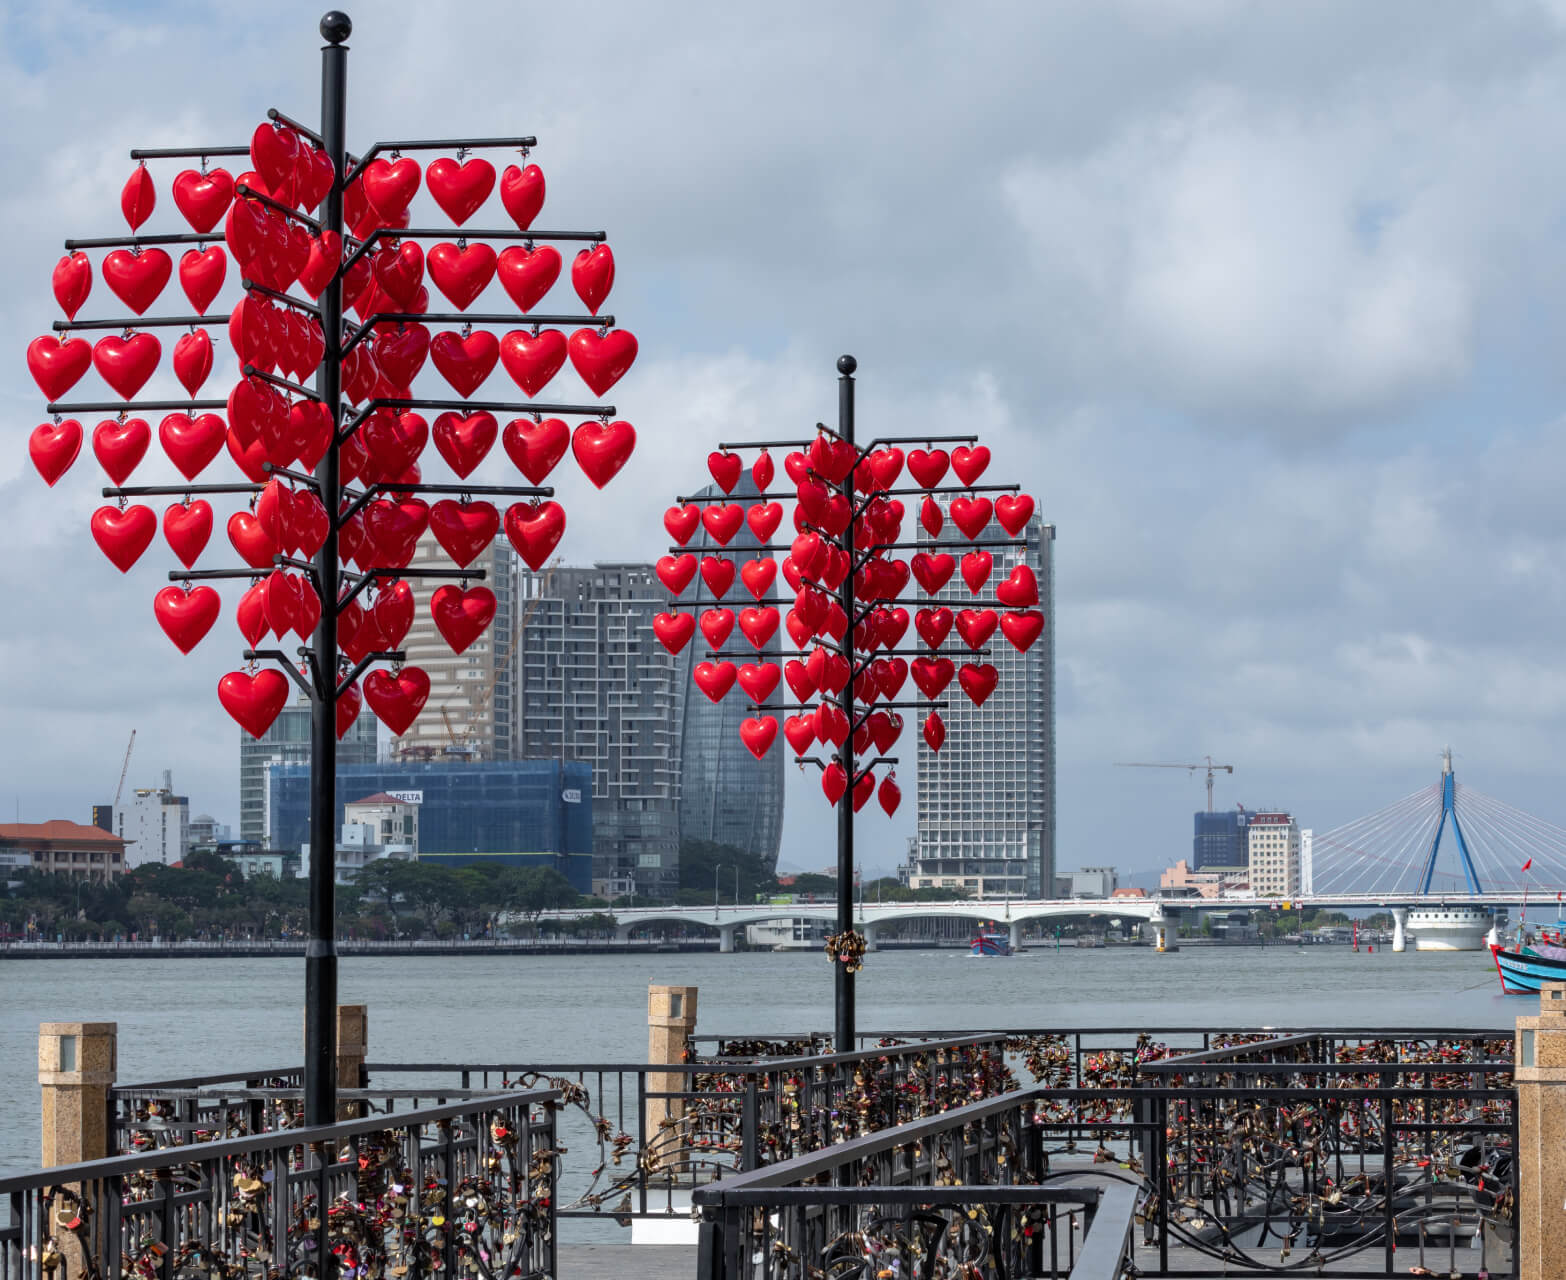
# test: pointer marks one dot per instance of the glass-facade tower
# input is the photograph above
(727, 796)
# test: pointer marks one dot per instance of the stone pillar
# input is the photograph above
(353, 1044)
(77, 1062)
(671, 1017)
(1399, 920)
(1541, 1137)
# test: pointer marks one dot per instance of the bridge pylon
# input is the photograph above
(1449, 810)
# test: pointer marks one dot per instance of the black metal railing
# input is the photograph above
(961, 1195)
(466, 1188)
(637, 1149)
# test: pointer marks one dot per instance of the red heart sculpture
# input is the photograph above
(250, 615)
(187, 530)
(256, 547)
(715, 679)
(126, 363)
(72, 282)
(928, 467)
(533, 359)
(676, 572)
(191, 443)
(123, 535)
(522, 192)
(309, 523)
(274, 151)
(528, 274)
(722, 521)
(969, 464)
(201, 275)
(138, 197)
(326, 254)
(602, 361)
(932, 572)
(890, 673)
(535, 447)
(863, 790)
(592, 276)
(976, 567)
(716, 624)
(390, 187)
(310, 430)
(464, 440)
(718, 573)
(931, 675)
(400, 273)
(758, 625)
(725, 469)
(674, 630)
(891, 626)
(400, 354)
(885, 728)
(834, 783)
(395, 526)
(53, 447)
(186, 617)
(137, 279)
(461, 616)
(58, 366)
(759, 680)
(758, 734)
(460, 189)
(889, 796)
(934, 731)
(800, 679)
(120, 446)
(393, 613)
(464, 529)
(933, 625)
(191, 360)
(886, 465)
(602, 449)
(1013, 511)
(758, 576)
(762, 471)
(800, 732)
(681, 522)
(930, 516)
(203, 198)
(535, 530)
(799, 631)
(254, 701)
(348, 703)
(284, 602)
(397, 700)
(465, 362)
(462, 274)
(831, 724)
(975, 626)
(831, 458)
(978, 681)
(394, 440)
(1022, 629)
(971, 515)
(1020, 590)
(764, 519)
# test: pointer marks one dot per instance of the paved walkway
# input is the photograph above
(616, 1261)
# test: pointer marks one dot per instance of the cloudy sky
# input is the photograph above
(1263, 302)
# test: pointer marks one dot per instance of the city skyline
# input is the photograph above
(1280, 288)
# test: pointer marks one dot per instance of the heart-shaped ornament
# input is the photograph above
(536, 447)
(461, 616)
(397, 699)
(186, 616)
(53, 447)
(254, 701)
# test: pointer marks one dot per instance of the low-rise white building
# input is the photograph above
(155, 825)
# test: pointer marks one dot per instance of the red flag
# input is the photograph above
(1528, 864)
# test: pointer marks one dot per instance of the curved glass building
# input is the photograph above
(727, 796)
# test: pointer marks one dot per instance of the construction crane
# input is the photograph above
(124, 769)
(1209, 766)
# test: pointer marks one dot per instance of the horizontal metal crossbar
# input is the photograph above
(140, 322)
(134, 241)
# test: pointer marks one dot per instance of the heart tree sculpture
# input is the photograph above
(844, 616)
(332, 496)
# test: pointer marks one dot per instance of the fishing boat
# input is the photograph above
(990, 944)
(1523, 970)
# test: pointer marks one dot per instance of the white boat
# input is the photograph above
(1445, 928)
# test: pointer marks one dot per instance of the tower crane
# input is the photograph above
(1209, 766)
(124, 769)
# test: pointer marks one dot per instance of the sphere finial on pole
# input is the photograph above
(336, 26)
(846, 364)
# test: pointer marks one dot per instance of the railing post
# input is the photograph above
(1387, 1172)
(76, 1069)
(353, 1039)
(750, 1124)
(671, 1017)
(1540, 1121)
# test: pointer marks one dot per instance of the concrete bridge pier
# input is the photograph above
(1165, 931)
(1399, 935)
(1016, 935)
(869, 930)
(726, 937)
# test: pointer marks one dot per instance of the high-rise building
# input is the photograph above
(155, 825)
(987, 798)
(727, 796)
(1219, 840)
(288, 742)
(596, 686)
(528, 813)
(1273, 844)
(471, 712)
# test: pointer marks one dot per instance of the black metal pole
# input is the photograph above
(843, 980)
(320, 1091)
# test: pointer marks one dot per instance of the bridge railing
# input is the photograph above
(462, 1189)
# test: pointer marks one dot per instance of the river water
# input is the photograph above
(189, 1017)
